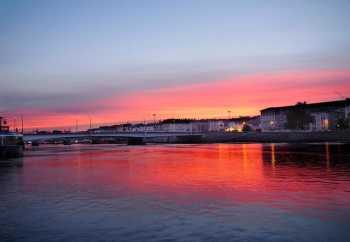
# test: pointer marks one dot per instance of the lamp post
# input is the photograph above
(76, 126)
(90, 131)
(15, 125)
(229, 114)
(90, 120)
(154, 121)
(22, 124)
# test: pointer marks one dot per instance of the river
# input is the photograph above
(206, 192)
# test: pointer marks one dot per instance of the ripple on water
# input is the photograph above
(216, 192)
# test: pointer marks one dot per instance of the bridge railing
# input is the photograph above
(110, 134)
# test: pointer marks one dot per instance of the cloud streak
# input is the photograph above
(242, 94)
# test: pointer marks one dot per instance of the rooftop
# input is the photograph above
(321, 105)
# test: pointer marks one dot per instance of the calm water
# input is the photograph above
(219, 192)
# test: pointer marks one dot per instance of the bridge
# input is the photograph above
(131, 137)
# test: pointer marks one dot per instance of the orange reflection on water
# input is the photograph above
(284, 176)
(202, 167)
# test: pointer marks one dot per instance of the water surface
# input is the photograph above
(216, 192)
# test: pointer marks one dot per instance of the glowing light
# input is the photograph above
(326, 123)
(273, 155)
(235, 128)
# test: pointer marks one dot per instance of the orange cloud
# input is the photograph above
(243, 95)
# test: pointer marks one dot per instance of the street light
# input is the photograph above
(22, 123)
(90, 121)
(154, 121)
(229, 114)
(76, 125)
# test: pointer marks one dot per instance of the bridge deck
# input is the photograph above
(108, 135)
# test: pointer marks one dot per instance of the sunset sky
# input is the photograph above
(117, 61)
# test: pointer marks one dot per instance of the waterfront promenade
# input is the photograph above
(205, 137)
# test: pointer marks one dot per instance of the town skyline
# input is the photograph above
(324, 115)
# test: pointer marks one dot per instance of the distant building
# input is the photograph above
(216, 125)
(185, 125)
(200, 126)
(324, 116)
(241, 123)
(254, 123)
(176, 125)
(140, 127)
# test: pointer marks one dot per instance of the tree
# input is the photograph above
(298, 118)
(246, 128)
(343, 123)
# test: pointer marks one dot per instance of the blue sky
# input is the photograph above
(57, 52)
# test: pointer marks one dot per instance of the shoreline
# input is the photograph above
(278, 137)
(225, 137)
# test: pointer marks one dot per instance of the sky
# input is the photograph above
(63, 62)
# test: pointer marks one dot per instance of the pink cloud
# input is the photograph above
(243, 95)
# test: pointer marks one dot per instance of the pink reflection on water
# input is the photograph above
(225, 174)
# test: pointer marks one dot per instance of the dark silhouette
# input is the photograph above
(343, 123)
(246, 128)
(298, 117)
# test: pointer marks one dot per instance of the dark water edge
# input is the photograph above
(10, 151)
(207, 192)
(278, 137)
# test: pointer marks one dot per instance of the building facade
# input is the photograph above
(323, 116)
(216, 125)
(176, 127)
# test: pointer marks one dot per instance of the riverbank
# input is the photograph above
(277, 137)
(213, 137)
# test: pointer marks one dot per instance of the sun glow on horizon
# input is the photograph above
(242, 95)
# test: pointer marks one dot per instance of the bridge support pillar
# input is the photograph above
(189, 139)
(35, 143)
(136, 141)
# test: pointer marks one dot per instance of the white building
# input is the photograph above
(325, 115)
(216, 125)
(177, 127)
